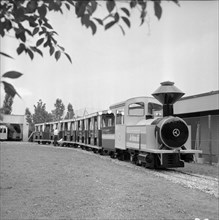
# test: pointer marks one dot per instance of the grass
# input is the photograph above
(201, 169)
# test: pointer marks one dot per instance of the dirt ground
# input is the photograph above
(46, 182)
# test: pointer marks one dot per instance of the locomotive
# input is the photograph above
(142, 130)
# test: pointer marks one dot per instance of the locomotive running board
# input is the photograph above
(172, 151)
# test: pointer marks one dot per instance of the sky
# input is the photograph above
(110, 67)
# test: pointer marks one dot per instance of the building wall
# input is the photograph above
(17, 119)
(205, 136)
(202, 113)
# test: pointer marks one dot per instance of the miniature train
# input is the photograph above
(131, 130)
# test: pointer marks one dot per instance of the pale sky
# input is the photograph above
(109, 67)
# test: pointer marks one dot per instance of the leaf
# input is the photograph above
(116, 17)
(80, 8)
(55, 41)
(41, 32)
(30, 53)
(35, 31)
(126, 11)
(62, 48)
(110, 24)
(20, 34)
(57, 54)
(51, 50)
(93, 7)
(110, 4)
(71, 2)
(122, 29)
(20, 13)
(46, 43)
(176, 1)
(143, 15)
(31, 6)
(85, 20)
(67, 6)
(99, 21)
(35, 49)
(157, 9)
(133, 3)
(42, 11)
(39, 52)
(47, 25)
(12, 74)
(39, 42)
(6, 55)
(21, 48)
(93, 27)
(126, 20)
(9, 89)
(69, 58)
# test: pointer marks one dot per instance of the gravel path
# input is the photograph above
(44, 182)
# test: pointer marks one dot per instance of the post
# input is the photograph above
(209, 139)
(197, 143)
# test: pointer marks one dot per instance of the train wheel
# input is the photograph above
(150, 161)
(134, 159)
(121, 156)
(112, 154)
(100, 151)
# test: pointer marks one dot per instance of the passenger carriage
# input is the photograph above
(43, 133)
(3, 133)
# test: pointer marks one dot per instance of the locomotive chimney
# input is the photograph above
(168, 94)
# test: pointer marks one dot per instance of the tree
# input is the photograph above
(10, 92)
(70, 113)
(40, 114)
(9, 89)
(29, 19)
(59, 110)
(29, 119)
(7, 104)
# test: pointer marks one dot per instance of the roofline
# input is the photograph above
(200, 95)
(121, 104)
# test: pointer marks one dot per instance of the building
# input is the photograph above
(202, 113)
(17, 126)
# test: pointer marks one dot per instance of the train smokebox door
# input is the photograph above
(120, 137)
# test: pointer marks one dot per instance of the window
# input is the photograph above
(119, 117)
(107, 120)
(154, 109)
(90, 124)
(136, 109)
(46, 129)
(95, 123)
(65, 126)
